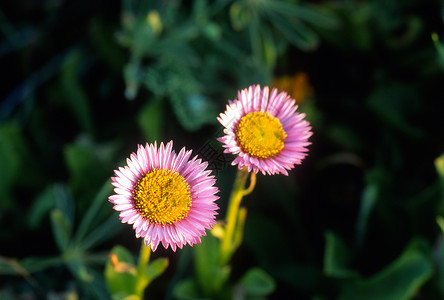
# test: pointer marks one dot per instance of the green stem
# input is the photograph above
(144, 257)
(226, 248)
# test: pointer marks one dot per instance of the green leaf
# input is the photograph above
(440, 259)
(61, 229)
(89, 280)
(317, 297)
(123, 254)
(199, 11)
(258, 283)
(401, 280)
(187, 290)
(240, 16)
(120, 280)
(337, 257)
(210, 276)
(91, 217)
(440, 221)
(64, 203)
(10, 266)
(194, 110)
(310, 14)
(79, 269)
(131, 74)
(156, 268)
(439, 47)
(368, 201)
(439, 166)
(296, 32)
(212, 31)
(44, 202)
(172, 78)
(103, 232)
(74, 94)
(269, 48)
(12, 152)
(151, 119)
(79, 160)
(144, 38)
(358, 29)
(87, 163)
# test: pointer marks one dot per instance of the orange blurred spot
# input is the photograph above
(297, 86)
(121, 267)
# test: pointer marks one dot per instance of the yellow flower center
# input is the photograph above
(260, 135)
(162, 197)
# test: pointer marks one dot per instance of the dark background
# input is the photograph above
(84, 82)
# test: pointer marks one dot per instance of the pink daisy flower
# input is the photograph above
(168, 198)
(264, 130)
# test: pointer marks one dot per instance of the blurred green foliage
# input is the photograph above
(85, 81)
(124, 280)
